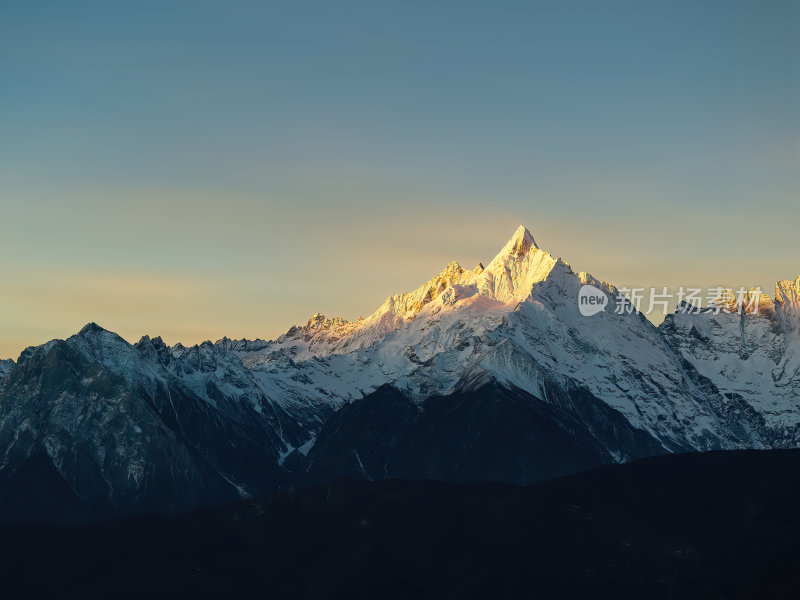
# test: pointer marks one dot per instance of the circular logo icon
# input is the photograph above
(591, 300)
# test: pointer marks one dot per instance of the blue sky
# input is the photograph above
(195, 169)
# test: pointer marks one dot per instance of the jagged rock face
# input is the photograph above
(516, 268)
(517, 322)
(751, 351)
(787, 298)
(144, 427)
(108, 444)
(5, 368)
(434, 377)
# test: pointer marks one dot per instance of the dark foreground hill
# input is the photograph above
(715, 525)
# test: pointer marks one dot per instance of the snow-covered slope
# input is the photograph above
(749, 351)
(147, 427)
(515, 322)
(244, 415)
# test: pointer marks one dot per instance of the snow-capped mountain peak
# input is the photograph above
(511, 274)
(750, 349)
(508, 280)
(403, 307)
(520, 242)
(787, 294)
(500, 356)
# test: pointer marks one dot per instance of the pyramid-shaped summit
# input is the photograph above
(519, 265)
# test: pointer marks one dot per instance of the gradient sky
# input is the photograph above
(198, 169)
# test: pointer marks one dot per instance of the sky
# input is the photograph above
(198, 169)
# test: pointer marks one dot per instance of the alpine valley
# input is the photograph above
(488, 374)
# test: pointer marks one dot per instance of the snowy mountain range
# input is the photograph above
(489, 373)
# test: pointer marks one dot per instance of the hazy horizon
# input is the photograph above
(132, 336)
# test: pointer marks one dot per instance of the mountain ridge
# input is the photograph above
(245, 416)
